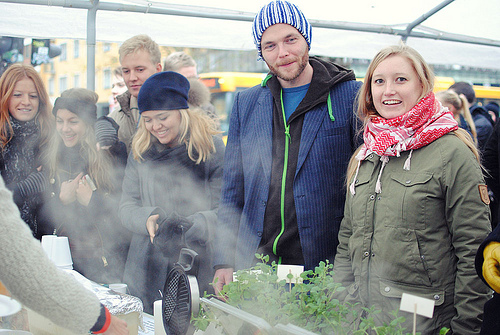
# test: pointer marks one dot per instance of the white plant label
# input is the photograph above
(295, 270)
(413, 304)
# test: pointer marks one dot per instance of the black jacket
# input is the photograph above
(484, 124)
(98, 242)
(491, 163)
(491, 320)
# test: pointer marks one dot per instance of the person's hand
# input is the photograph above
(117, 327)
(67, 194)
(98, 146)
(491, 273)
(83, 192)
(222, 277)
(168, 237)
(152, 226)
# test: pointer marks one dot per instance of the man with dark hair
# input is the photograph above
(482, 120)
(290, 140)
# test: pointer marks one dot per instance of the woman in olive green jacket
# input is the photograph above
(416, 207)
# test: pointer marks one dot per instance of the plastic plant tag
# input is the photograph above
(285, 270)
(413, 304)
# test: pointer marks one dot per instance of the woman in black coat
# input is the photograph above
(85, 184)
(26, 126)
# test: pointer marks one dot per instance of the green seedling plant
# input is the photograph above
(312, 304)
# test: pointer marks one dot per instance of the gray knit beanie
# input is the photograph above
(280, 12)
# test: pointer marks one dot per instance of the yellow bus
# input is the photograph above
(484, 94)
(224, 86)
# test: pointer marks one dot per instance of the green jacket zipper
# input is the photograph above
(285, 163)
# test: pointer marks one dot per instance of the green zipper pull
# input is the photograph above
(330, 110)
(287, 133)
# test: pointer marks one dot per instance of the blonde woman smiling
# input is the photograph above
(172, 183)
(416, 207)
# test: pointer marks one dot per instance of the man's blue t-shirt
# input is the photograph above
(292, 98)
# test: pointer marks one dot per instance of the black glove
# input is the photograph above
(106, 131)
(35, 183)
(169, 237)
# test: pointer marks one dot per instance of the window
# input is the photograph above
(106, 47)
(63, 55)
(49, 67)
(63, 84)
(51, 86)
(76, 80)
(106, 78)
(76, 49)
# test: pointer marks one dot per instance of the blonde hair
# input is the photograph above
(461, 105)
(178, 60)
(196, 132)
(8, 81)
(141, 42)
(366, 107)
(100, 165)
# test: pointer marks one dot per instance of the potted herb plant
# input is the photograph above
(307, 305)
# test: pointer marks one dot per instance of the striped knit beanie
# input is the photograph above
(280, 12)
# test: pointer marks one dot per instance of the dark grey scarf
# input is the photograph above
(19, 160)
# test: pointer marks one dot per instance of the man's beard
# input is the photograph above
(291, 76)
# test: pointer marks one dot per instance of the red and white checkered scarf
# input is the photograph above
(427, 121)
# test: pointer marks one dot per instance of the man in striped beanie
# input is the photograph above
(289, 143)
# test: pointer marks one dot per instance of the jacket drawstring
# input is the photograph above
(378, 185)
(406, 166)
(352, 187)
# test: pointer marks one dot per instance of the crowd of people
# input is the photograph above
(390, 182)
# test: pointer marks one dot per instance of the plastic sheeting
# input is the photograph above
(478, 18)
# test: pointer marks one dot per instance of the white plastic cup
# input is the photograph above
(57, 248)
(61, 254)
(119, 287)
(158, 317)
(48, 243)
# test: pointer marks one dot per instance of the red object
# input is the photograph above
(106, 324)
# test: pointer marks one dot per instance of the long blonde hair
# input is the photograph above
(100, 166)
(8, 81)
(461, 105)
(196, 132)
(366, 108)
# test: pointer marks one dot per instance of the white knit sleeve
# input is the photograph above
(34, 280)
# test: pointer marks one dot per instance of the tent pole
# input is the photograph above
(91, 42)
(424, 17)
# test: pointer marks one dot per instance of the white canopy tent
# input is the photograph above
(453, 32)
